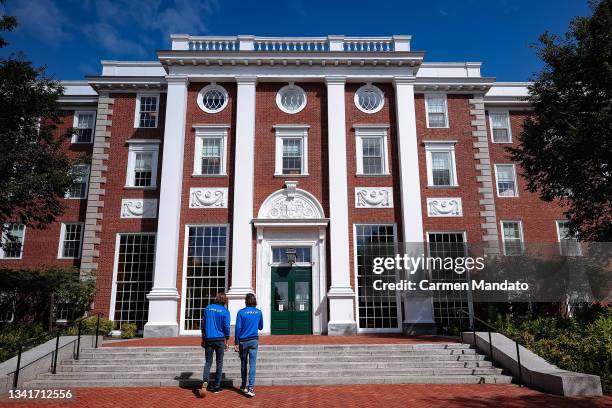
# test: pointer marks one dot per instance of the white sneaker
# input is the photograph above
(250, 393)
(243, 390)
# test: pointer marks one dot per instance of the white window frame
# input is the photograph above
(559, 239)
(436, 95)
(75, 123)
(445, 146)
(284, 132)
(507, 113)
(210, 87)
(60, 251)
(139, 146)
(522, 237)
(210, 132)
(137, 110)
(279, 98)
(516, 192)
(373, 88)
(3, 238)
(67, 195)
(372, 131)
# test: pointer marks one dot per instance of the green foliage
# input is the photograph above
(566, 147)
(88, 326)
(13, 335)
(582, 343)
(128, 330)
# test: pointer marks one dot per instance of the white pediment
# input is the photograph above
(291, 203)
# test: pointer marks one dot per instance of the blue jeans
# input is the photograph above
(218, 348)
(248, 350)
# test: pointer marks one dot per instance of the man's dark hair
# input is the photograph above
(250, 300)
(221, 299)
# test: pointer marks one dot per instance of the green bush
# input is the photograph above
(14, 334)
(88, 326)
(128, 330)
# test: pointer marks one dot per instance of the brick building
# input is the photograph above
(267, 165)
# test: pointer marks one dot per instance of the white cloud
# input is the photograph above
(109, 39)
(43, 20)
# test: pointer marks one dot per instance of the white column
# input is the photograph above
(163, 298)
(418, 308)
(341, 296)
(242, 230)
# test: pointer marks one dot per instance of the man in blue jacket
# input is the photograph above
(248, 322)
(215, 328)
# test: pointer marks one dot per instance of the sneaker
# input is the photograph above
(202, 389)
(243, 389)
(250, 393)
(216, 390)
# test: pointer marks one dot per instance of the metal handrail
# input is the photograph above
(56, 332)
(490, 328)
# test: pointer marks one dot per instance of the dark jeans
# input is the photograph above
(217, 347)
(248, 350)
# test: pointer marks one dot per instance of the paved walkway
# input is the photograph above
(362, 396)
(286, 340)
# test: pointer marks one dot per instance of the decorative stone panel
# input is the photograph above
(444, 207)
(374, 197)
(205, 197)
(139, 208)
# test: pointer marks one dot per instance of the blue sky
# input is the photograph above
(72, 36)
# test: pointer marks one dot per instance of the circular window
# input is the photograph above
(369, 99)
(291, 99)
(212, 98)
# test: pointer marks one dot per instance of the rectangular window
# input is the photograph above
(147, 109)
(437, 112)
(78, 190)
(12, 241)
(568, 244)
(70, 240)
(377, 309)
(134, 278)
(446, 303)
(206, 273)
(506, 180)
(512, 236)
(302, 255)
(292, 156)
(84, 124)
(212, 148)
(372, 155)
(440, 159)
(371, 146)
(142, 164)
(500, 127)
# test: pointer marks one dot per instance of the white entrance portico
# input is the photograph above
(292, 217)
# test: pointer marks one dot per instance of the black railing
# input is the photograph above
(57, 333)
(490, 328)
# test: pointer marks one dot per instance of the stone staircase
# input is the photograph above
(436, 363)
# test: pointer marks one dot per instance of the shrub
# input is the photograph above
(11, 336)
(88, 326)
(128, 330)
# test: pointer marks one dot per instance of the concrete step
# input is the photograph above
(297, 347)
(94, 366)
(379, 379)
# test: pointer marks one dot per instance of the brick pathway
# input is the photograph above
(284, 340)
(363, 396)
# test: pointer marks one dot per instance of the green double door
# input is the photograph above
(291, 300)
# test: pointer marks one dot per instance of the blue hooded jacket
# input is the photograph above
(215, 322)
(248, 322)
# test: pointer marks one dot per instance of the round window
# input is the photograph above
(291, 99)
(369, 99)
(212, 98)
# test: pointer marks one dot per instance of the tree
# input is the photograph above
(34, 170)
(566, 146)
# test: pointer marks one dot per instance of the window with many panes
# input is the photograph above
(206, 272)
(13, 239)
(292, 156)
(142, 164)
(147, 111)
(71, 236)
(437, 112)
(84, 124)
(134, 278)
(447, 302)
(378, 309)
(568, 244)
(291, 150)
(506, 180)
(500, 127)
(211, 150)
(78, 190)
(512, 237)
(371, 147)
(440, 160)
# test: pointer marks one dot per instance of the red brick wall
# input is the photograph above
(41, 246)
